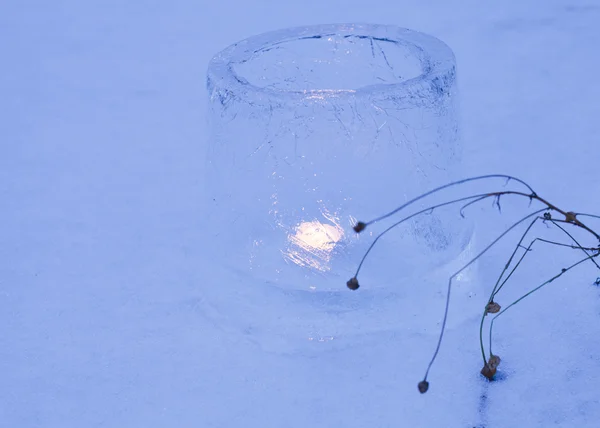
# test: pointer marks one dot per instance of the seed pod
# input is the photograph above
(492, 308)
(490, 368)
(494, 361)
(360, 226)
(353, 284)
(423, 386)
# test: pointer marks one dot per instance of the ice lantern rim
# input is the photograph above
(436, 58)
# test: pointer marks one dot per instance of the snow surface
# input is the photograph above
(103, 279)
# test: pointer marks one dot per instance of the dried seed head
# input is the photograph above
(490, 368)
(488, 372)
(360, 226)
(494, 361)
(423, 386)
(353, 284)
(492, 308)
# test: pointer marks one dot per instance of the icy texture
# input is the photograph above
(309, 125)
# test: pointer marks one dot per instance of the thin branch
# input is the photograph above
(555, 222)
(471, 203)
(587, 215)
(527, 250)
(497, 285)
(564, 270)
(574, 247)
(437, 349)
(570, 217)
(398, 223)
(455, 183)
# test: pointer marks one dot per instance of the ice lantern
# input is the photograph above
(313, 128)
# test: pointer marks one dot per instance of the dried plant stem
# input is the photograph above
(491, 307)
(497, 288)
(454, 183)
(563, 271)
(498, 285)
(527, 250)
(398, 223)
(577, 244)
(469, 263)
(587, 215)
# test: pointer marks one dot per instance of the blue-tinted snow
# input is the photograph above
(103, 317)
